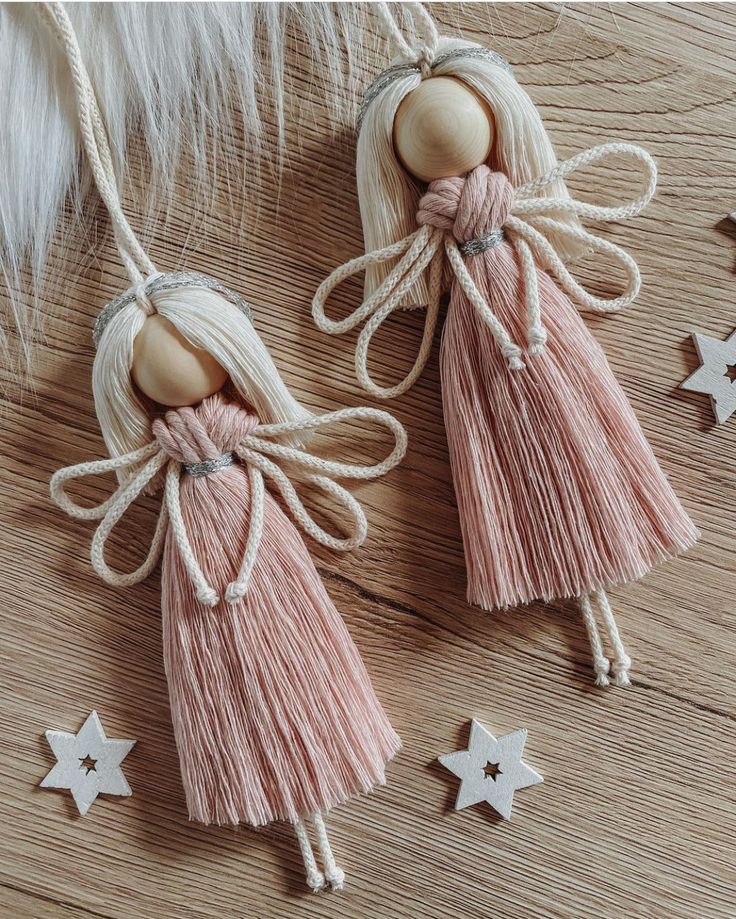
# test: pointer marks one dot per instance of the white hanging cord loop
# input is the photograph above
(94, 137)
(254, 451)
(393, 29)
(530, 229)
(424, 53)
(432, 35)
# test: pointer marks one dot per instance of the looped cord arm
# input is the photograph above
(418, 251)
(523, 194)
(303, 460)
(533, 224)
(254, 451)
(113, 508)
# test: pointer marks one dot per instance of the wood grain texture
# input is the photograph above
(635, 816)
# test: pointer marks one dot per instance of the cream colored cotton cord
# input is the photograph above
(94, 137)
(254, 452)
(529, 229)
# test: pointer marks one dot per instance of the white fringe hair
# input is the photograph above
(389, 196)
(206, 320)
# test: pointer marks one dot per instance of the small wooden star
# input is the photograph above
(716, 375)
(490, 769)
(88, 763)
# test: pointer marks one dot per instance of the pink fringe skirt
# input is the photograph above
(273, 710)
(558, 490)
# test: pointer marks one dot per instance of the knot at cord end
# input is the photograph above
(537, 339)
(235, 592)
(207, 596)
(336, 878)
(512, 353)
(620, 669)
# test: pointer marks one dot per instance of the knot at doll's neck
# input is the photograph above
(195, 435)
(473, 208)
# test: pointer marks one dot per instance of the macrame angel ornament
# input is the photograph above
(559, 493)
(273, 710)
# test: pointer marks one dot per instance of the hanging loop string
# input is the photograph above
(255, 452)
(530, 229)
(94, 138)
(424, 53)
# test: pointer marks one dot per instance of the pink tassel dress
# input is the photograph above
(558, 490)
(273, 710)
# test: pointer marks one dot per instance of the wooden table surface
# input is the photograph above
(635, 815)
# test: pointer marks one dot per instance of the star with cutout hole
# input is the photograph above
(716, 376)
(88, 763)
(490, 769)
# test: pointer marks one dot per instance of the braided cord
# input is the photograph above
(94, 138)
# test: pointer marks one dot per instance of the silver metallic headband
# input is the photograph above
(387, 77)
(208, 466)
(172, 281)
(482, 243)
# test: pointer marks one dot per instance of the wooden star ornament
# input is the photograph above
(491, 769)
(716, 376)
(88, 763)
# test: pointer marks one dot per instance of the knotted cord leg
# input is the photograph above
(622, 662)
(601, 664)
(315, 878)
(334, 874)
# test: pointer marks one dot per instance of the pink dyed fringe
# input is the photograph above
(558, 490)
(273, 710)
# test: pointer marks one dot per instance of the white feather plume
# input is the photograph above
(179, 76)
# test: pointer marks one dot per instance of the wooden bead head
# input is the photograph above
(170, 370)
(442, 128)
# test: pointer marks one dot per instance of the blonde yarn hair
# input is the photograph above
(206, 320)
(389, 195)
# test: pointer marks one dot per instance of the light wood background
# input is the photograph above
(635, 816)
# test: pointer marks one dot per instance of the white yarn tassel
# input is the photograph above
(94, 137)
